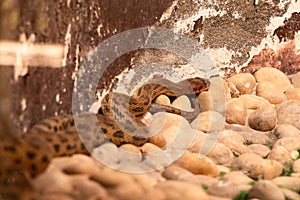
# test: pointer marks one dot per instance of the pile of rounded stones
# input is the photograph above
(256, 154)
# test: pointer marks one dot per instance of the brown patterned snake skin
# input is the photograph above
(26, 155)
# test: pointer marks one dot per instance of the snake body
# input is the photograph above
(31, 152)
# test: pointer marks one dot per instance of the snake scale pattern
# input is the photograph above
(26, 155)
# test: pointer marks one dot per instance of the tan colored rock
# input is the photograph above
(259, 149)
(149, 148)
(248, 161)
(293, 94)
(234, 142)
(296, 80)
(286, 130)
(177, 190)
(289, 143)
(182, 103)
(288, 112)
(236, 112)
(288, 182)
(244, 82)
(158, 140)
(227, 189)
(193, 163)
(280, 154)
(264, 189)
(263, 119)
(273, 75)
(290, 195)
(266, 169)
(125, 190)
(296, 166)
(221, 154)
(237, 177)
(208, 121)
(205, 101)
(197, 142)
(163, 99)
(269, 91)
(253, 102)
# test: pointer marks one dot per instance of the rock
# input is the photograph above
(293, 94)
(108, 153)
(205, 101)
(296, 166)
(265, 190)
(149, 148)
(208, 121)
(263, 119)
(163, 99)
(253, 102)
(221, 155)
(177, 190)
(269, 91)
(236, 112)
(193, 163)
(244, 82)
(125, 190)
(296, 80)
(234, 142)
(182, 103)
(237, 177)
(158, 140)
(273, 75)
(288, 112)
(247, 161)
(280, 154)
(289, 143)
(288, 182)
(266, 169)
(174, 172)
(290, 195)
(286, 130)
(227, 189)
(132, 150)
(197, 143)
(259, 149)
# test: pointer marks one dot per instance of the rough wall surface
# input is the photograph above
(238, 35)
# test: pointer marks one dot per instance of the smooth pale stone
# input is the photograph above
(178, 190)
(293, 94)
(221, 155)
(259, 149)
(266, 190)
(174, 172)
(236, 112)
(296, 166)
(208, 121)
(183, 103)
(290, 195)
(296, 80)
(197, 142)
(123, 191)
(286, 130)
(129, 151)
(277, 77)
(163, 99)
(146, 181)
(166, 120)
(247, 161)
(237, 177)
(280, 154)
(253, 102)
(227, 189)
(269, 91)
(108, 153)
(148, 148)
(263, 119)
(266, 169)
(288, 182)
(205, 101)
(158, 140)
(244, 82)
(234, 141)
(288, 112)
(193, 163)
(290, 143)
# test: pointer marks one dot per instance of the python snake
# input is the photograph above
(27, 155)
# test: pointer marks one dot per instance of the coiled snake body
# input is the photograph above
(31, 153)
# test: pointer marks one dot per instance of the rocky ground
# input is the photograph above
(256, 156)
